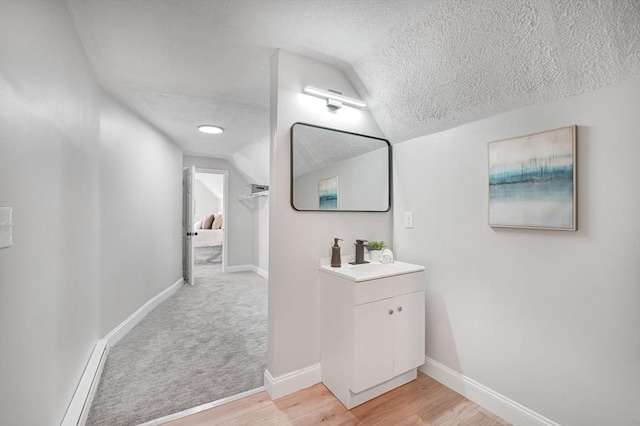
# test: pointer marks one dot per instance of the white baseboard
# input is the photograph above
(291, 382)
(78, 410)
(498, 404)
(248, 268)
(240, 268)
(125, 326)
(80, 405)
(263, 273)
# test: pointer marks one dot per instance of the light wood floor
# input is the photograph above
(421, 402)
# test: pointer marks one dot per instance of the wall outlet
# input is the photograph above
(408, 219)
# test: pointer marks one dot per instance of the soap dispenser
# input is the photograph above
(336, 260)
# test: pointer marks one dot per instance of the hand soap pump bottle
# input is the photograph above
(336, 260)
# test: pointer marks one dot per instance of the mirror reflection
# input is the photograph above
(340, 171)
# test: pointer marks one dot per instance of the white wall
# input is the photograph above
(298, 240)
(263, 235)
(96, 194)
(549, 319)
(141, 212)
(206, 202)
(49, 278)
(240, 225)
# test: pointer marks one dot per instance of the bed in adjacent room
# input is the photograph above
(207, 243)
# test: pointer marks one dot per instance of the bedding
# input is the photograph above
(208, 238)
(207, 242)
(217, 223)
(202, 255)
(208, 221)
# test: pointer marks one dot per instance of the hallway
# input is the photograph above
(205, 343)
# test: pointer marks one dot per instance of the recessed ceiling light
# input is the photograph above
(210, 129)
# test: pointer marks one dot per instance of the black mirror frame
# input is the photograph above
(390, 171)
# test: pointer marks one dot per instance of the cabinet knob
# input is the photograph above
(390, 311)
(399, 308)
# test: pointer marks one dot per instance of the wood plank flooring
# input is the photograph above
(423, 401)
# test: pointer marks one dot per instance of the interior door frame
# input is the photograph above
(225, 209)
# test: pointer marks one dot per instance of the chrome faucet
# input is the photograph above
(359, 252)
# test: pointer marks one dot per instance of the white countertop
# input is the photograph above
(371, 271)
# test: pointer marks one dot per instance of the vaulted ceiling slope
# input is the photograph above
(422, 65)
(460, 61)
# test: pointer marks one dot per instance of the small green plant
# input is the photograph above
(376, 245)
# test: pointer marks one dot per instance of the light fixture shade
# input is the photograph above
(210, 129)
(327, 94)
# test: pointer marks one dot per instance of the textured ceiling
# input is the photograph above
(425, 65)
(465, 60)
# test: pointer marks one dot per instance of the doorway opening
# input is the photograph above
(210, 218)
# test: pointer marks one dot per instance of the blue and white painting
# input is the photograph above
(532, 181)
(328, 193)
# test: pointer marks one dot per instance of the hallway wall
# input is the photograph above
(140, 212)
(49, 278)
(96, 196)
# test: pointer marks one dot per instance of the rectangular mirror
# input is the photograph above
(334, 170)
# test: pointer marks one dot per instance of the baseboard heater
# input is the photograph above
(78, 410)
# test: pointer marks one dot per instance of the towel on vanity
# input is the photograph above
(386, 256)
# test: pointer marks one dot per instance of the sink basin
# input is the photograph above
(372, 271)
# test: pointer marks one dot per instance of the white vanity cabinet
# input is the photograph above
(371, 332)
(389, 339)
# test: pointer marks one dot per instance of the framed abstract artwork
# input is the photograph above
(328, 193)
(532, 181)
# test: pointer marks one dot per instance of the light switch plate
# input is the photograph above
(408, 219)
(6, 227)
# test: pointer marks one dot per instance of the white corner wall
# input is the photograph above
(298, 240)
(240, 225)
(49, 278)
(140, 212)
(206, 202)
(548, 319)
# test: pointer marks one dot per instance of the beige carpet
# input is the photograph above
(204, 343)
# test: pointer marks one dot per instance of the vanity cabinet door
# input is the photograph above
(408, 332)
(374, 328)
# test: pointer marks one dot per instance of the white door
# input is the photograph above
(409, 332)
(187, 224)
(373, 344)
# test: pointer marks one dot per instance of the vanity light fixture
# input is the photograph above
(334, 98)
(210, 129)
